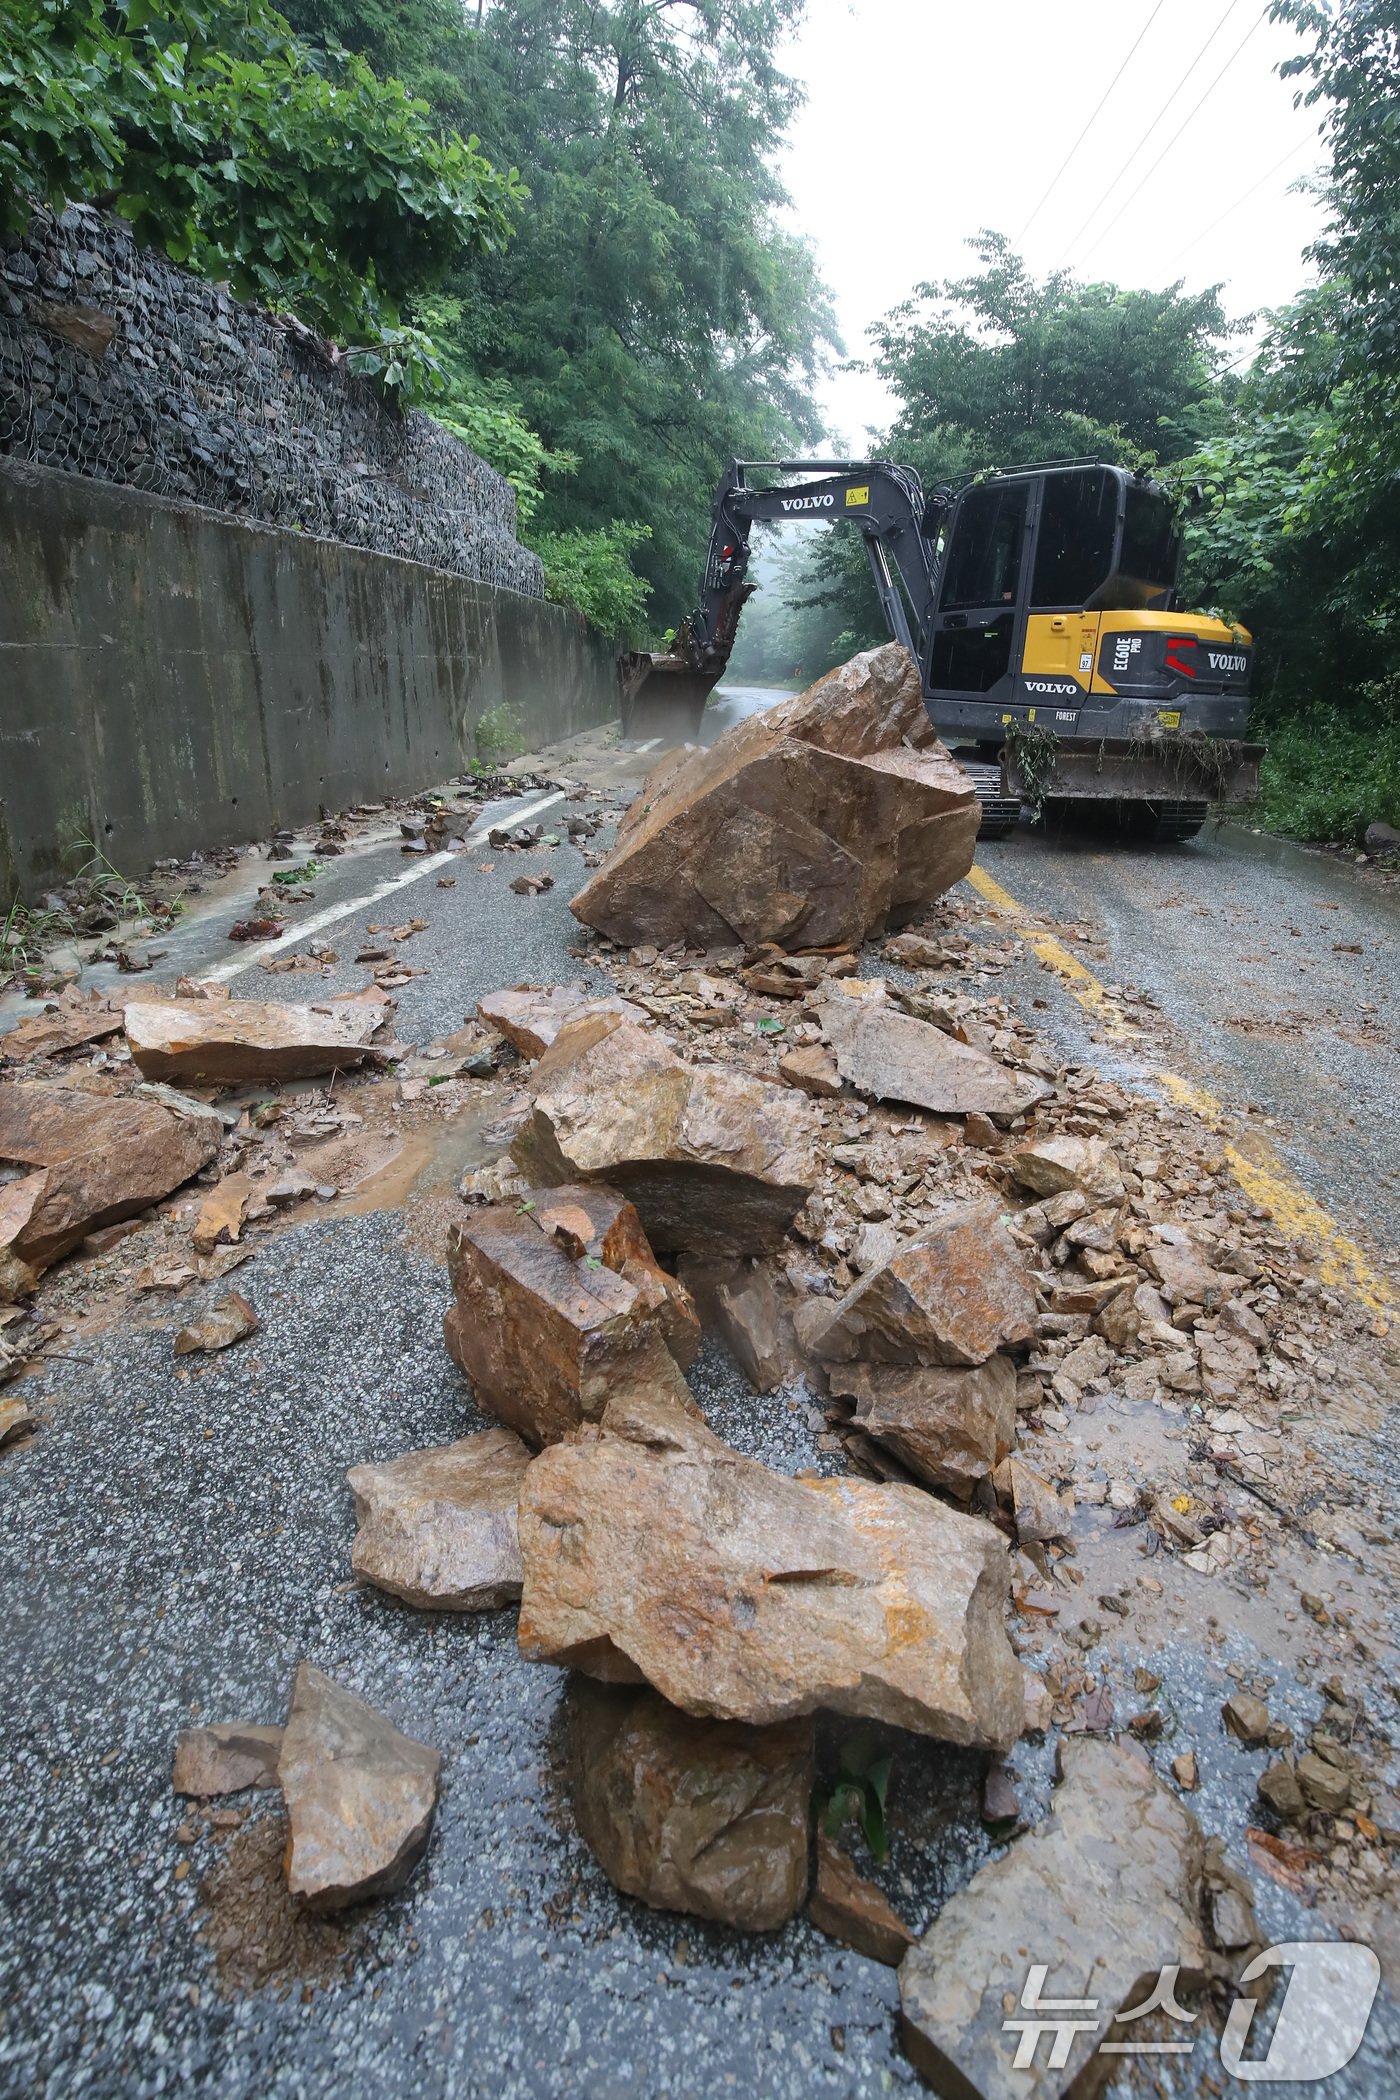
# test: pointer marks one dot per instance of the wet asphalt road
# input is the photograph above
(177, 1537)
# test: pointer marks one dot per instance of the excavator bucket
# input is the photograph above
(662, 697)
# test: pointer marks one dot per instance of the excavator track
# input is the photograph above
(1000, 812)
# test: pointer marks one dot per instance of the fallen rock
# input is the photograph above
(226, 1757)
(437, 1527)
(16, 1420)
(231, 1320)
(750, 1310)
(1246, 1717)
(1105, 1893)
(1382, 838)
(233, 1042)
(951, 1428)
(1324, 1785)
(1040, 1513)
(692, 1815)
(715, 1161)
(591, 1222)
(1183, 1275)
(103, 1158)
(1278, 1787)
(222, 1212)
(812, 1070)
(546, 1332)
(1051, 1165)
(360, 1796)
(892, 1056)
(953, 1295)
(913, 952)
(529, 1016)
(77, 1018)
(852, 1910)
(815, 823)
(652, 1550)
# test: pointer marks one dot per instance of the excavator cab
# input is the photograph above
(1041, 607)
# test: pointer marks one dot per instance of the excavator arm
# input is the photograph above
(664, 695)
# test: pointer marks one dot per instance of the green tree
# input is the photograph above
(300, 177)
(997, 368)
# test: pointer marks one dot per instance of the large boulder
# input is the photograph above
(715, 1161)
(653, 1551)
(894, 1056)
(1105, 1893)
(239, 1042)
(954, 1294)
(97, 1159)
(704, 1816)
(548, 1332)
(437, 1527)
(814, 823)
(360, 1796)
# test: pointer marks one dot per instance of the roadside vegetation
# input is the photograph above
(552, 224)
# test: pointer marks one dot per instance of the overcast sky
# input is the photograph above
(926, 121)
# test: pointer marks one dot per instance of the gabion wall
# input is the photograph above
(117, 365)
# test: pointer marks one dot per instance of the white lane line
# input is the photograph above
(222, 972)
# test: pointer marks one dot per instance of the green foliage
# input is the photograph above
(498, 735)
(1332, 771)
(652, 318)
(858, 1791)
(300, 177)
(593, 573)
(995, 368)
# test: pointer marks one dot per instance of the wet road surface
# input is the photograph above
(177, 1537)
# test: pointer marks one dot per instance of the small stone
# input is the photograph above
(893, 1056)
(1186, 1771)
(1323, 1785)
(1000, 1801)
(225, 1757)
(981, 1132)
(1246, 1717)
(360, 1796)
(1279, 1789)
(530, 1016)
(852, 1910)
(231, 1320)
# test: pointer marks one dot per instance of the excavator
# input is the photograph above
(1041, 607)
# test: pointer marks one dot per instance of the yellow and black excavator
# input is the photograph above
(1041, 607)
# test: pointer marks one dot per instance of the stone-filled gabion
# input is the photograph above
(199, 398)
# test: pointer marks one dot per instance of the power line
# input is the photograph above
(1231, 209)
(1089, 125)
(1073, 243)
(1101, 237)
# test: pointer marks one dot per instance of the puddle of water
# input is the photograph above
(428, 1162)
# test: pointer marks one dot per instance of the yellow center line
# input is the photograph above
(1259, 1172)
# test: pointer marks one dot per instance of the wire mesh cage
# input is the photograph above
(117, 365)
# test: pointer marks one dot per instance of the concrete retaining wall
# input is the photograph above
(171, 678)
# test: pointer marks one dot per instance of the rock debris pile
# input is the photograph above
(971, 1268)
